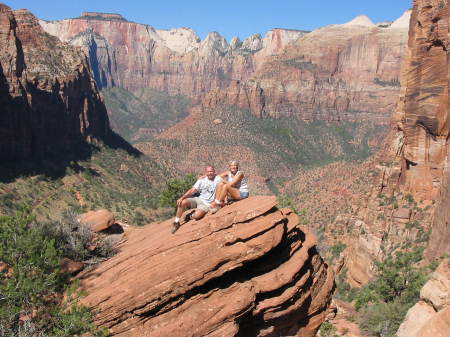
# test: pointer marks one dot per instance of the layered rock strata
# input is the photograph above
(248, 270)
(430, 317)
(49, 102)
(339, 72)
(412, 195)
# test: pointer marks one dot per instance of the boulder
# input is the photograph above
(71, 267)
(98, 220)
(248, 270)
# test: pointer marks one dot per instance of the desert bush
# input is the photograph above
(75, 239)
(382, 319)
(384, 301)
(337, 249)
(174, 189)
(328, 330)
(71, 237)
(32, 283)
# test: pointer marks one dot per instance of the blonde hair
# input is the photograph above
(233, 162)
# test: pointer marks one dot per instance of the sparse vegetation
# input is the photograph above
(31, 284)
(328, 330)
(139, 116)
(111, 179)
(336, 250)
(384, 301)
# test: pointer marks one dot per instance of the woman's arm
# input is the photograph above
(237, 179)
(224, 174)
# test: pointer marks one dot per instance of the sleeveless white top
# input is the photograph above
(242, 185)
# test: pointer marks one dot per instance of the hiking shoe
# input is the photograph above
(215, 209)
(188, 217)
(175, 227)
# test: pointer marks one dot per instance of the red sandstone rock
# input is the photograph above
(71, 267)
(98, 220)
(339, 72)
(416, 152)
(50, 104)
(249, 269)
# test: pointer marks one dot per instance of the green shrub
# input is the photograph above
(382, 319)
(31, 283)
(327, 330)
(337, 249)
(174, 189)
(384, 301)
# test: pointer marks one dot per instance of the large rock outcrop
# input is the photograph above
(49, 102)
(248, 270)
(412, 196)
(430, 317)
(339, 72)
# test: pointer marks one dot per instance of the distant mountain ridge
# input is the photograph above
(333, 73)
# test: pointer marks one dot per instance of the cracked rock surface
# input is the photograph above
(248, 270)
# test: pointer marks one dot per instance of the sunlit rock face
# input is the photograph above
(339, 72)
(415, 161)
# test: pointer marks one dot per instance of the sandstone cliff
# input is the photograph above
(50, 104)
(248, 270)
(410, 203)
(339, 72)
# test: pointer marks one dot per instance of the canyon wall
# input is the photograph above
(50, 103)
(410, 204)
(339, 72)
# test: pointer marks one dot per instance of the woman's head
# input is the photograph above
(234, 166)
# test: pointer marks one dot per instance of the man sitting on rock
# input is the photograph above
(206, 186)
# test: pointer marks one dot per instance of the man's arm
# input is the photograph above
(224, 174)
(186, 195)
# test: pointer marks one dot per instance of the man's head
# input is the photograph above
(210, 172)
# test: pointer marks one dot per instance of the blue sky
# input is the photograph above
(229, 18)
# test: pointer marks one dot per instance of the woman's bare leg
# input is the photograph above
(234, 193)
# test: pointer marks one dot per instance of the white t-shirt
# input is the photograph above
(207, 188)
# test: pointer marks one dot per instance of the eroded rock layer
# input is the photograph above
(49, 102)
(248, 270)
(339, 72)
(410, 205)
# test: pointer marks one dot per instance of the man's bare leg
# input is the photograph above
(198, 214)
(185, 204)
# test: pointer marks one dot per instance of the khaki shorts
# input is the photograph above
(199, 203)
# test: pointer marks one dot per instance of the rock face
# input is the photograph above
(49, 102)
(431, 315)
(348, 71)
(248, 270)
(414, 173)
(339, 72)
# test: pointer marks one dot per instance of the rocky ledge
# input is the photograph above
(248, 270)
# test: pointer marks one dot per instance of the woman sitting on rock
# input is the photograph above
(234, 186)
